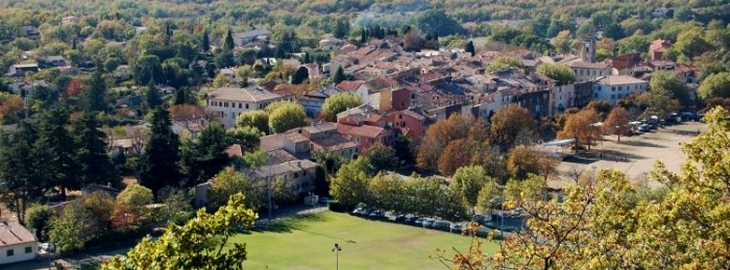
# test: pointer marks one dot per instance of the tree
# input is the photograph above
(95, 93)
(338, 103)
(509, 122)
(258, 119)
(228, 43)
(691, 43)
(562, 42)
(468, 182)
(67, 231)
(381, 158)
(339, 75)
(38, 217)
(99, 204)
(602, 108)
(131, 208)
(387, 192)
(285, 116)
(21, 179)
(470, 48)
(299, 76)
(152, 98)
(247, 137)
(438, 136)
(11, 108)
(715, 85)
(617, 122)
(558, 72)
(656, 104)
(349, 186)
(147, 68)
(454, 156)
(229, 182)
(56, 150)
(205, 156)
(489, 197)
(438, 22)
(95, 165)
(580, 127)
(205, 43)
(199, 244)
(176, 208)
(158, 165)
(525, 160)
(503, 62)
(668, 84)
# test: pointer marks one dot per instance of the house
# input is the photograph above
(350, 86)
(69, 20)
(131, 101)
(30, 32)
(20, 70)
(410, 123)
(245, 38)
(537, 102)
(625, 63)
(365, 136)
(297, 174)
(312, 70)
(323, 137)
(658, 47)
(189, 128)
(313, 101)
(27, 89)
(583, 93)
(585, 71)
(52, 61)
(615, 87)
(113, 192)
(561, 98)
(331, 44)
(17, 244)
(229, 102)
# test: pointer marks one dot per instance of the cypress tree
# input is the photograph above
(470, 48)
(229, 44)
(206, 42)
(158, 165)
(339, 75)
(95, 165)
(152, 97)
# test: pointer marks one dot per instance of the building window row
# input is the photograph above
(226, 104)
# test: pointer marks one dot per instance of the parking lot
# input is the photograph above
(635, 155)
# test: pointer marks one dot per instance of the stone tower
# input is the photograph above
(589, 49)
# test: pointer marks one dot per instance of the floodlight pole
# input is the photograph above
(337, 250)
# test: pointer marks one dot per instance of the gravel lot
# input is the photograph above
(636, 155)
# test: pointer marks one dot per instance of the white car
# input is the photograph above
(48, 247)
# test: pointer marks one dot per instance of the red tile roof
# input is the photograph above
(12, 233)
(366, 131)
(349, 86)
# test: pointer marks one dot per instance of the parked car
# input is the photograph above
(644, 128)
(441, 225)
(427, 223)
(47, 247)
(456, 227)
(323, 200)
(410, 220)
(481, 219)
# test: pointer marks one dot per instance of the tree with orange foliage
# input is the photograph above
(11, 107)
(509, 122)
(454, 156)
(617, 122)
(185, 112)
(580, 126)
(74, 87)
(438, 137)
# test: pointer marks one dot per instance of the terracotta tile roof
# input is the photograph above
(333, 143)
(660, 45)
(234, 150)
(295, 137)
(366, 131)
(350, 86)
(619, 80)
(587, 65)
(12, 233)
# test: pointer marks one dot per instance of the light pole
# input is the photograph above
(268, 187)
(337, 250)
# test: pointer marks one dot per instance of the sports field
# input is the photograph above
(307, 242)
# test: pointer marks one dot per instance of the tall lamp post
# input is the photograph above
(337, 250)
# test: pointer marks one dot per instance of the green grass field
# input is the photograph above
(307, 242)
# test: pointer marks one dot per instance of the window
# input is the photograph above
(28, 250)
(595, 95)
(10, 252)
(613, 96)
(400, 116)
(239, 105)
(246, 105)
(620, 88)
(613, 89)
(296, 175)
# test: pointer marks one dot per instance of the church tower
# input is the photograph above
(589, 49)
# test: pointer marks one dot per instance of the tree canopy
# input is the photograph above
(338, 103)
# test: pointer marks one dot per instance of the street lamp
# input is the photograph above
(337, 250)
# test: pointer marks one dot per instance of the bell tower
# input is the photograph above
(589, 49)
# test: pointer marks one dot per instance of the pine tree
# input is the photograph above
(158, 165)
(95, 165)
(363, 36)
(168, 34)
(301, 75)
(470, 48)
(181, 96)
(205, 157)
(94, 96)
(339, 75)
(21, 174)
(229, 44)
(56, 152)
(307, 58)
(152, 97)
(206, 42)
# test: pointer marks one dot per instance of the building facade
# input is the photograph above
(17, 244)
(613, 88)
(229, 102)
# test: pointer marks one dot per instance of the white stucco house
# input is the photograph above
(615, 87)
(229, 102)
(17, 244)
(561, 98)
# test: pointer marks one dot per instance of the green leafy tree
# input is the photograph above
(381, 157)
(247, 137)
(229, 182)
(38, 217)
(148, 67)
(131, 207)
(205, 156)
(468, 182)
(338, 103)
(205, 43)
(285, 116)
(558, 72)
(349, 186)
(437, 21)
(95, 165)
(503, 62)
(489, 197)
(562, 42)
(67, 231)
(199, 244)
(258, 119)
(668, 84)
(691, 43)
(158, 165)
(176, 207)
(715, 85)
